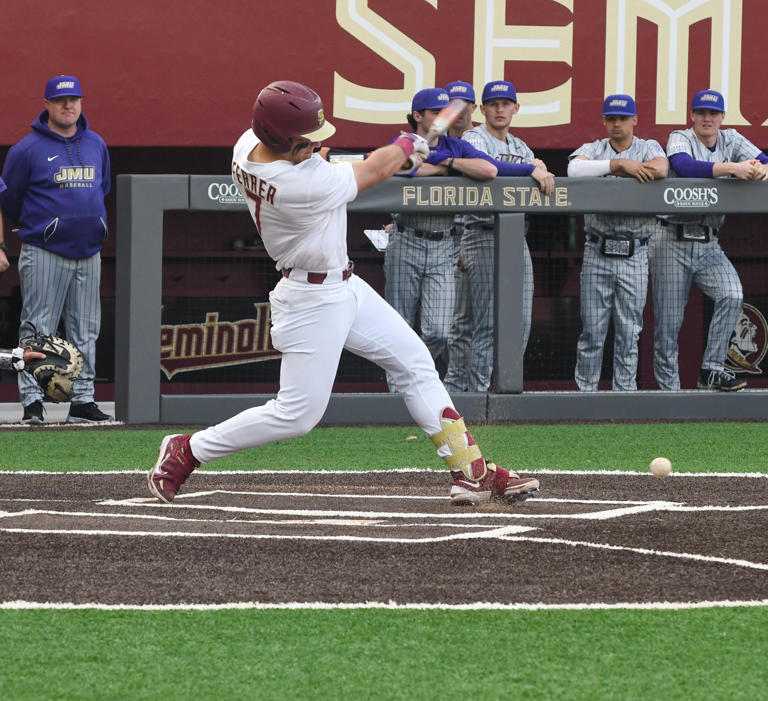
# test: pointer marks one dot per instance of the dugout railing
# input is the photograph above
(142, 201)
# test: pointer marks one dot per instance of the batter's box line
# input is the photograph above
(494, 533)
(396, 497)
(640, 551)
(593, 516)
(333, 521)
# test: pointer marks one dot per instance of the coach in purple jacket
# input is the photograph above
(57, 177)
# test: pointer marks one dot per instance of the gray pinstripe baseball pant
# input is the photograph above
(611, 287)
(419, 279)
(477, 254)
(53, 288)
(459, 345)
(674, 265)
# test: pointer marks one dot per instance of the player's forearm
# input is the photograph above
(382, 164)
(687, 167)
(475, 168)
(583, 168)
(519, 170)
(659, 166)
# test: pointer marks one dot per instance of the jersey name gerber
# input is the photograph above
(255, 188)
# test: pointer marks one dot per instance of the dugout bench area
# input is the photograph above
(144, 200)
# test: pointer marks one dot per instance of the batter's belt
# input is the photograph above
(330, 276)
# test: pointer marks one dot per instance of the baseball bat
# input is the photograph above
(442, 123)
(445, 118)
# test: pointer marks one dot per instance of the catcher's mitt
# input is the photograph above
(57, 372)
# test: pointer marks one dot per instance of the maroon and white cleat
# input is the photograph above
(497, 484)
(174, 464)
(475, 479)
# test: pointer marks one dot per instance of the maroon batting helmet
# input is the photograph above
(285, 109)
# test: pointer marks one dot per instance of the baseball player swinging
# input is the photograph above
(687, 249)
(614, 274)
(319, 307)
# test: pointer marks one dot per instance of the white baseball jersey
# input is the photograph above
(302, 218)
(511, 150)
(730, 147)
(608, 224)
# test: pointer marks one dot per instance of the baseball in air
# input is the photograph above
(238, 244)
(660, 467)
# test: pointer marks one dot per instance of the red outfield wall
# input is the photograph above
(185, 73)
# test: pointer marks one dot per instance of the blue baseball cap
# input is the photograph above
(460, 90)
(61, 86)
(708, 100)
(499, 88)
(622, 105)
(429, 99)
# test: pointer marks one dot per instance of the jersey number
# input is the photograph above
(257, 208)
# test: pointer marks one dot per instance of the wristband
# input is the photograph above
(17, 355)
(3, 246)
(405, 145)
(450, 162)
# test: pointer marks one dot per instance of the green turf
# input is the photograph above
(692, 447)
(378, 654)
(375, 654)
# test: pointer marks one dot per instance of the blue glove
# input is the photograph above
(437, 156)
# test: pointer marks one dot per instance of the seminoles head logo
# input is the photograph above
(749, 342)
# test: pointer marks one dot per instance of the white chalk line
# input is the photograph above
(333, 521)
(396, 497)
(20, 605)
(397, 470)
(493, 533)
(640, 551)
(317, 513)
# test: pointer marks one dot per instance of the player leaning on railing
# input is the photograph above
(320, 307)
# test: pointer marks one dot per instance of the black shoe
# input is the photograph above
(720, 379)
(86, 413)
(33, 413)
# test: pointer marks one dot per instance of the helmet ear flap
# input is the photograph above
(267, 133)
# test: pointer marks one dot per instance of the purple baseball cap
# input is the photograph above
(708, 100)
(622, 105)
(429, 99)
(61, 86)
(460, 90)
(499, 89)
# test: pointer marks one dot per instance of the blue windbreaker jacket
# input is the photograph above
(56, 188)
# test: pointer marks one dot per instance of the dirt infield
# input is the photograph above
(385, 536)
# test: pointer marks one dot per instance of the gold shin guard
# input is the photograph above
(465, 454)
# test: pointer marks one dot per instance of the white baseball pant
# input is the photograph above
(311, 325)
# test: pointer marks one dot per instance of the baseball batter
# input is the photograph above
(512, 157)
(687, 249)
(319, 307)
(614, 273)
